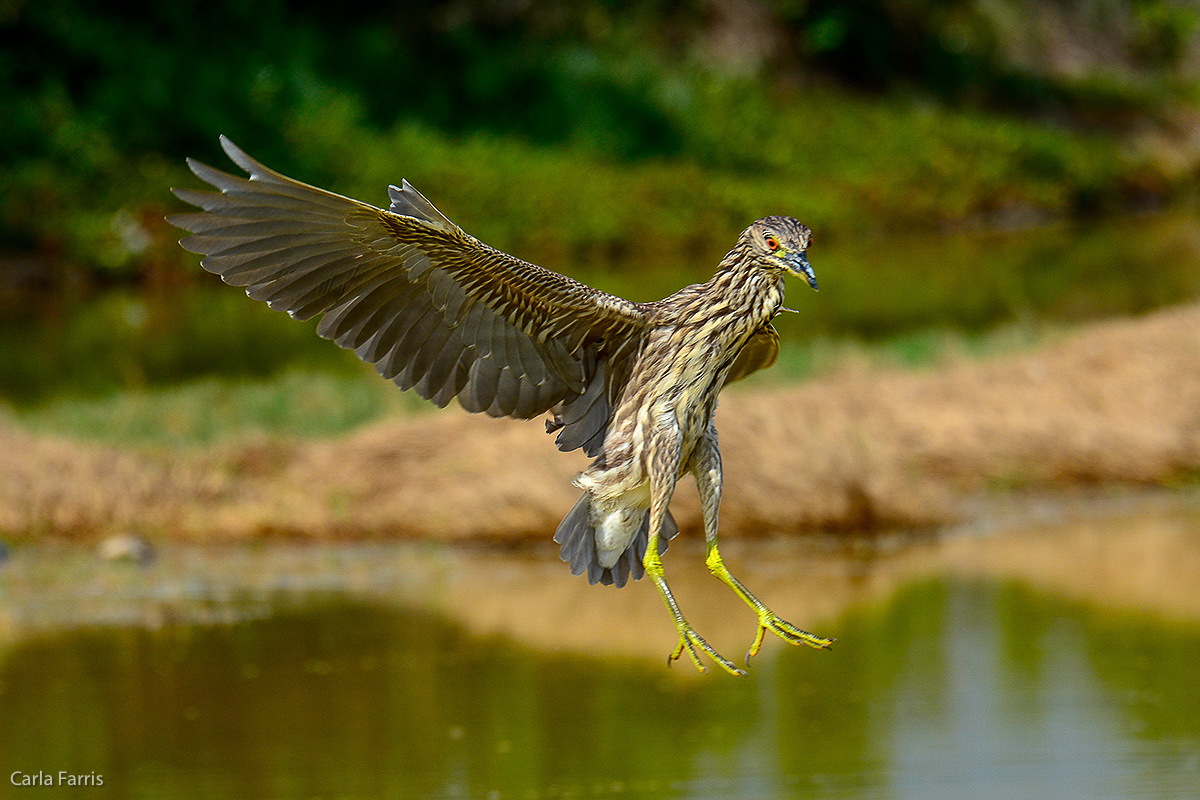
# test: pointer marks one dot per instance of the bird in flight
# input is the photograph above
(435, 310)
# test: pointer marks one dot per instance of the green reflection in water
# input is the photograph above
(968, 280)
(949, 690)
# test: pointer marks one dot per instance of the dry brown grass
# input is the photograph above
(1118, 401)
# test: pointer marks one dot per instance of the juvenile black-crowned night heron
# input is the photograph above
(437, 311)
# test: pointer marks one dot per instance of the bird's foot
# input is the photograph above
(689, 640)
(768, 621)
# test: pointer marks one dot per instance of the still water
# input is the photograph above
(969, 280)
(948, 681)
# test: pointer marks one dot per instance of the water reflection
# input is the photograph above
(941, 686)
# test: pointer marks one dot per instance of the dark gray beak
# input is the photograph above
(798, 263)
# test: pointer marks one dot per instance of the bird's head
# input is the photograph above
(780, 243)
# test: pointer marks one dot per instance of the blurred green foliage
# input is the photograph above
(624, 145)
(915, 294)
(575, 130)
(1087, 57)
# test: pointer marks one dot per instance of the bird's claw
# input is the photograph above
(689, 640)
(767, 621)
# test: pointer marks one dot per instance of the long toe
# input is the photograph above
(768, 621)
(689, 641)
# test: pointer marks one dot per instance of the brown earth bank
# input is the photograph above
(1116, 402)
(1130, 554)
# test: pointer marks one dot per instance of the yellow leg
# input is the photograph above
(767, 619)
(663, 469)
(705, 465)
(689, 640)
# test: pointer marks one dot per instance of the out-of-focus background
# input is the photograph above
(236, 563)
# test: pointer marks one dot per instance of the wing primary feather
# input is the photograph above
(261, 267)
(425, 354)
(480, 391)
(409, 348)
(440, 367)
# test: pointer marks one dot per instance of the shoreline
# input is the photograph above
(1113, 404)
(1136, 553)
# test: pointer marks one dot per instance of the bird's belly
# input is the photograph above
(623, 485)
(689, 410)
(675, 398)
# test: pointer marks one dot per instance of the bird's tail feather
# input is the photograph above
(577, 535)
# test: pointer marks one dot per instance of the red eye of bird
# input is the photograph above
(772, 243)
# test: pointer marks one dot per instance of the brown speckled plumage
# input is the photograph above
(437, 311)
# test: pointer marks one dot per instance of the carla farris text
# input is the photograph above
(62, 778)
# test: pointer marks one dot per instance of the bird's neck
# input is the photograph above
(751, 294)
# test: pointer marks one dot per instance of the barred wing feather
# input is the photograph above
(431, 307)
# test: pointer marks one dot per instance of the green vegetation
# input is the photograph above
(573, 134)
(291, 405)
(894, 291)
(126, 339)
(626, 147)
(846, 165)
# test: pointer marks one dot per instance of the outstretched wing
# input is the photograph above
(760, 351)
(431, 307)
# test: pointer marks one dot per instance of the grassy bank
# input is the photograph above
(299, 404)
